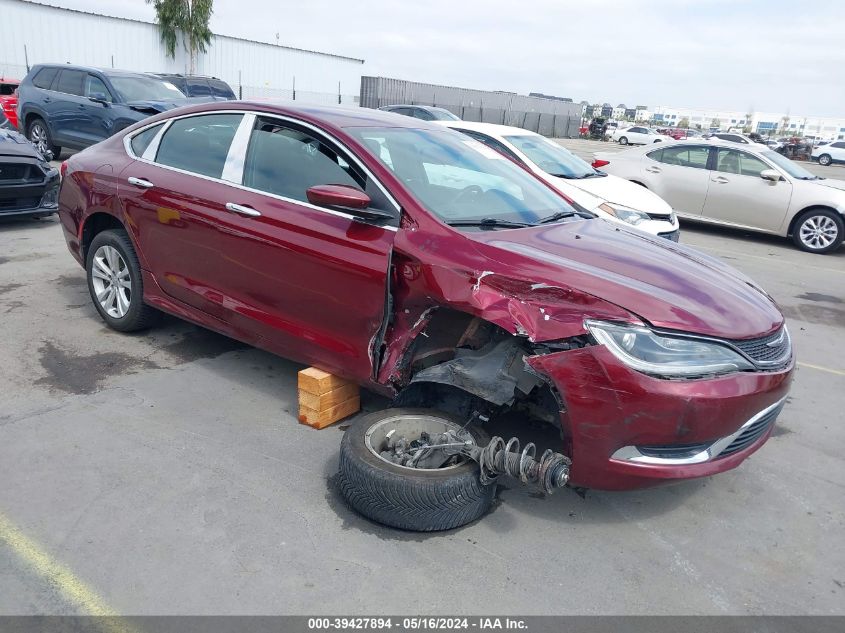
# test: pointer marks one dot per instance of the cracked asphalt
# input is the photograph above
(165, 473)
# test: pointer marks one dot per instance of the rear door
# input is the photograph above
(311, 280)
(738, 195)
(67, 111)
(174, 196)
(679, 175)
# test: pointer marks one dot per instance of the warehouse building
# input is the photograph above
(33, 33)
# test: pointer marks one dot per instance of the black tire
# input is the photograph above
(824, 159)
(408, 498)
(818, 216)
(623, 140)
(43, 132)
(138, 316)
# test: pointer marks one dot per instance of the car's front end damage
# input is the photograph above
(28, 184)
(638, 400)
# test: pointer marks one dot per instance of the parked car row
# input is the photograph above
(746, 186)
(423, 264)
(60, 105)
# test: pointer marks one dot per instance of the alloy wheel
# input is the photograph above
(112, 281)
(824, 160)
(38, 136)
(818, 232)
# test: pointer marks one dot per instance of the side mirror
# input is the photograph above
(345, 198)
(99, 97)
(770, 175)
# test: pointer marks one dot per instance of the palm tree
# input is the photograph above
(188, 18)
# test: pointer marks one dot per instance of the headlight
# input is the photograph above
(661, 355)
(626, 215)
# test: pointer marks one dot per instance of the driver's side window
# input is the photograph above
(94, 87)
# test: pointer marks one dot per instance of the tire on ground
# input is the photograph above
(408, 498)
(820, 213)
(139, 316)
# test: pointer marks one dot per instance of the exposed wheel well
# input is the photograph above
(97, 223)
(30, 117)
(803, 211)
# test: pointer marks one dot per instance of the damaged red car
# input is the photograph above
(430, 269)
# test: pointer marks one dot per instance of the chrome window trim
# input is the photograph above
(145, 159)
(633, 454)
(233, 169)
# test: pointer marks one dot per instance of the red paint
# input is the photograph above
(9, 103)
(311, 286)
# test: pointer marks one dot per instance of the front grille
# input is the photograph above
(15, 171)
(768, 349)
(673, 451)
(752, 433)
(19, 204)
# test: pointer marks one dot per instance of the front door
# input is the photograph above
(738, 195)
(312, 281)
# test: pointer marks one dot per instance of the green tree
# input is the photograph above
(683, 123)
(188, 19)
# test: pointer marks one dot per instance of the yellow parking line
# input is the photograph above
(830, 370)
(69, 586)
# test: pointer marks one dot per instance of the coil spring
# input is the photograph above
(499, 458)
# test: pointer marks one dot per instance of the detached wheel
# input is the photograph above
(819, 231)
(623, 140)
(115, 282)
(418, 499)
(824, 159)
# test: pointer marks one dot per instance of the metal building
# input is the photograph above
(36, 33)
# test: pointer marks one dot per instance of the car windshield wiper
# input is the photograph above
(493, 223)
(561, 215)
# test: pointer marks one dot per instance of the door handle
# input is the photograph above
(140, 182)
(242, 210)
(653, 170)
(721, 180)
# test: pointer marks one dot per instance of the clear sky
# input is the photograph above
(767, 55)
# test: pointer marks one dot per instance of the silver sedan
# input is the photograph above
(749, 187)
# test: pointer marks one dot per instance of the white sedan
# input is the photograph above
(607, 196)
(638, 135)
(830, 153)
(745, 186)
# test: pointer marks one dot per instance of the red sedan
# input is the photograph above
(426, 267)
(9, 99)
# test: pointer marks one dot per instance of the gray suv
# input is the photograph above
(74, 106)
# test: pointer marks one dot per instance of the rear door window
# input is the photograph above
(44, 78)
(71, 82)
(199, 144)
(682, 156)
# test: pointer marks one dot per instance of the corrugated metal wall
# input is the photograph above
(548, 117)
(52, 34)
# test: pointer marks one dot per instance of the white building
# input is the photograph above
(33, 33)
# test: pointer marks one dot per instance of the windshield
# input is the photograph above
(793, 169)
(145, 89)
(441, 114)
(551, 157)
(459, 179)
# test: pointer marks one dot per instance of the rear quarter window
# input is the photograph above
(221, 89)
(141, 141)
(44, 78)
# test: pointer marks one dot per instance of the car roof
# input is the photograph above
(335, 116)
(108, 72)
(494, 129)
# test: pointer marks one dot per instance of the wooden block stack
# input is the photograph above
(325, 398)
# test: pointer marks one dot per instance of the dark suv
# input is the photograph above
(73, 106)
(208, 88)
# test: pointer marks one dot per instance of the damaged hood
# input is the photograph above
(14, 144)
(666, 284)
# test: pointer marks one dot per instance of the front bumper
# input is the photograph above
(30, 196)
(610, 408)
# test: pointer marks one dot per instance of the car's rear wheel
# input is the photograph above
(419, 499)
(115, 282)
(824, 159)
(623, 140)
(819, 231)
(39, 135)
